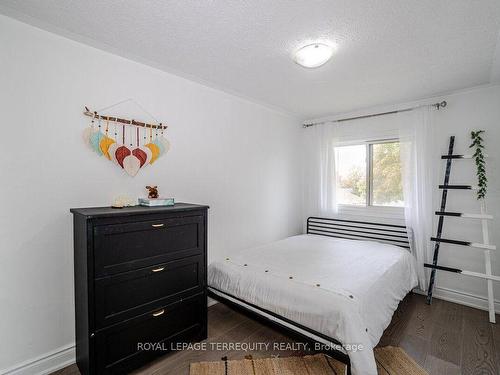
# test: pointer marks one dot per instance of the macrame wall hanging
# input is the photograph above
(129, 144)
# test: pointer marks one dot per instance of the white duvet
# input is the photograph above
(345, 289)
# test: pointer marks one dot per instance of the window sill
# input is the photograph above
(394, 213)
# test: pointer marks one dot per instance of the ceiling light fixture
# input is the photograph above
(313, 55)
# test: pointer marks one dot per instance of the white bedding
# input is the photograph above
(360, 286)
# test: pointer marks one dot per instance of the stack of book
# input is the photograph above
(156, 202)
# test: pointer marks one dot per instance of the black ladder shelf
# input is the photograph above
(437, 244)
(442, 213)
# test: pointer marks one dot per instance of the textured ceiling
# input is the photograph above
(388, 50)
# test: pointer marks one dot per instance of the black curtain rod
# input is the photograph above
(436, 105)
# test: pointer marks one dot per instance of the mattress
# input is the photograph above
(345, 289)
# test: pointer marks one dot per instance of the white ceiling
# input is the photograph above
(388, 50)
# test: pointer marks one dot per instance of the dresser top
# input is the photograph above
(92, 212)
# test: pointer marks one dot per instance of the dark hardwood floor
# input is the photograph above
(444, 338)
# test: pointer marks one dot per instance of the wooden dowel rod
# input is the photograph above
(95, 115)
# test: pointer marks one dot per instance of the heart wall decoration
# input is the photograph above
(132, 145)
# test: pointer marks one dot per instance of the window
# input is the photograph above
(369, 174)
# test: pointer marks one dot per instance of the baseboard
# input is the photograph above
(44, 364)
(212, 302)
(462, 298)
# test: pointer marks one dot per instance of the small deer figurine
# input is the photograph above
(153, 192)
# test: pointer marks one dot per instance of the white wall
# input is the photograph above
(466, 111)
(236, 156)
(477, 108)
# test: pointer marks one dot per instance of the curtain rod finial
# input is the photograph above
(441, 105)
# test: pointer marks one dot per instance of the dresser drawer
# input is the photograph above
(117, 349)
(124, 247)
(131, 293)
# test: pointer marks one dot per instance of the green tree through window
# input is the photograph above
(387, 187)
(357, 184)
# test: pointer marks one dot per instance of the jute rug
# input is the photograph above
(390, 361)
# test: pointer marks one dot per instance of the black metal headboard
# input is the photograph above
(359, 230)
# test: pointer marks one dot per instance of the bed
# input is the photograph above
(338, 285)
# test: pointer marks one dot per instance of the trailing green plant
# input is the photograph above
(482, 181)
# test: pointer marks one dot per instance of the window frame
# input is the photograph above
(390, 211)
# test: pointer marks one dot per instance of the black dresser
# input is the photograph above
(140, 283)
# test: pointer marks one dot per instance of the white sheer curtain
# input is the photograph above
(418, 157)
(319, 170)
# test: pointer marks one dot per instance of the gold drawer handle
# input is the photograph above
(159, 269)
(157, 225)
(158, 313)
